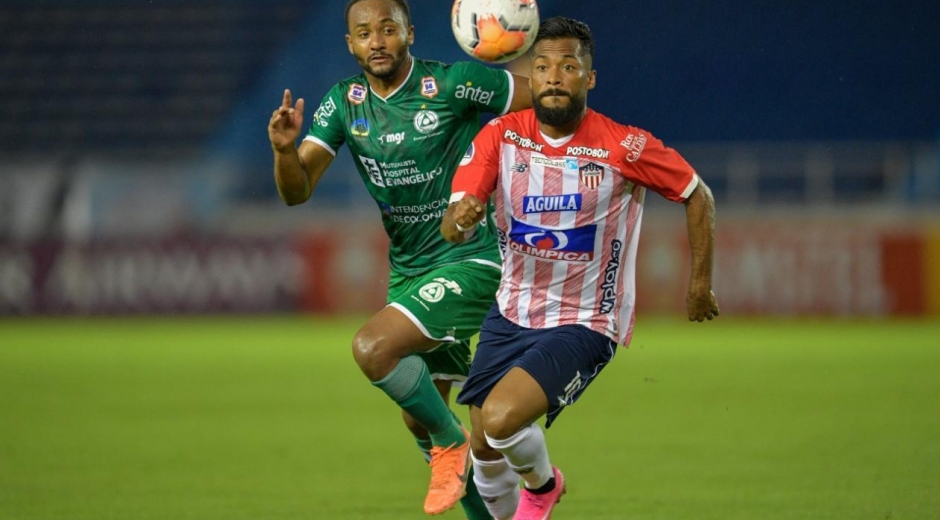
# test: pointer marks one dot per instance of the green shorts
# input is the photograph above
(447, 304)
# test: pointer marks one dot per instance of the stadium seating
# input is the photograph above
(152, 77)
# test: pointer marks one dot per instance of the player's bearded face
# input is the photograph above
(379, 37)
(560, 78)
(551, 108)
(384, 63)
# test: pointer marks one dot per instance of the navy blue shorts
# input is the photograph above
(563, 360)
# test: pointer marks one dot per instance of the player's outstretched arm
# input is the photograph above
(296, 171)
(461, 218)
(700, 221)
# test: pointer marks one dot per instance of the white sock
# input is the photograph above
(527, 455)
(498, 485)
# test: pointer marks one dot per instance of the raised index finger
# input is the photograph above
(287, 98)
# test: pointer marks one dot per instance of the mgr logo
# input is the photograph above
(570, 245)
(393, 138)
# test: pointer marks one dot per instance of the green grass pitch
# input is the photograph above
(268, 419)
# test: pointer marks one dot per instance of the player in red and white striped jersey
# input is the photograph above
(569, 187)
(570, 212)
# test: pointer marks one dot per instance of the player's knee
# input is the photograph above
(481, 449)
(367, 350)
(500, 419)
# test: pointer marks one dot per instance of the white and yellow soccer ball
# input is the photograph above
(495, 31)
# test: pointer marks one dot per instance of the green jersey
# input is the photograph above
(408, 146)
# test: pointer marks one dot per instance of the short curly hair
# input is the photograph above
(560, 27)
(402, 4)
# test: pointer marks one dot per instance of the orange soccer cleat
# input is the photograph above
(450, 467)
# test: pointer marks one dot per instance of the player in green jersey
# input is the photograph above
(408, 123)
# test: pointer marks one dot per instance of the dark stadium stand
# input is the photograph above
(152, 78)
(846, 112)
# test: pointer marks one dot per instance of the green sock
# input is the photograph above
(409, 384)
(425, 446)
(472, 503)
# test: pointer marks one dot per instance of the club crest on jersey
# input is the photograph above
(544, 204)
(433, 292)
(359, 128)
(428, 87)
(357, 94)
(571, 245)
(591, 175)
(426, 121)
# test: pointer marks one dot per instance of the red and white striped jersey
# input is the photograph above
(568, 213)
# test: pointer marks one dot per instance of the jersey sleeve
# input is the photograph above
(651, 164)
(327, 128)
(474, 87)
(479, 169)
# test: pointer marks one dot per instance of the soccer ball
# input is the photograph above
(495, 31)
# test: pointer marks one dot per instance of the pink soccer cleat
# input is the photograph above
(539, 507)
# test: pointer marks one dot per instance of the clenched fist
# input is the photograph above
(461, 217)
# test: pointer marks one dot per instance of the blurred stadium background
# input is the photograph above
(136, 169)
(136, 193)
